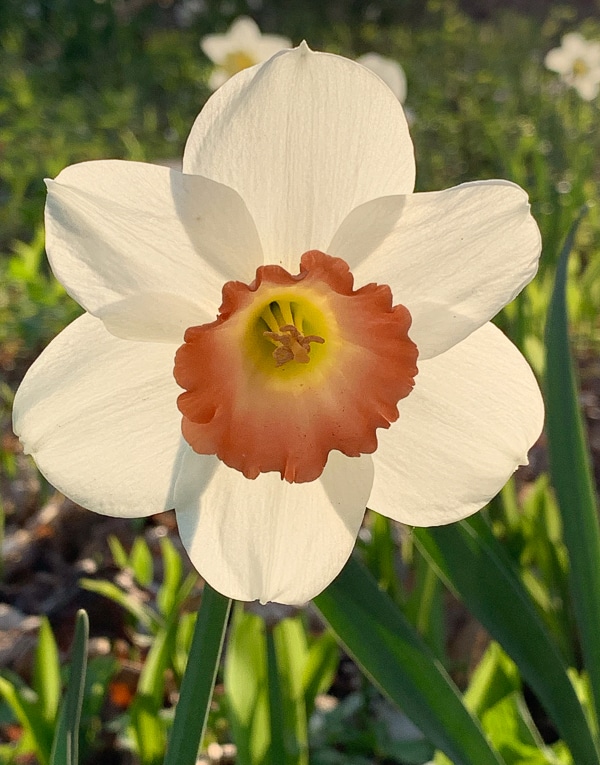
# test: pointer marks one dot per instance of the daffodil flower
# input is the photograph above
(577, 61)
(284, 333)
(242, 46)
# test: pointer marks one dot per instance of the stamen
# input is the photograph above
(580, 67)
(294, 346)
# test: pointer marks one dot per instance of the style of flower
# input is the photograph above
(390, 72)
(296, 215)
(243, 45)
(578, 63)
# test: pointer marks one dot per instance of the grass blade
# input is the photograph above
(571, 475)
(65, 748)
(199, 679)
(392, 653)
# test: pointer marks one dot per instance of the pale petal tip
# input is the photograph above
(303, 48)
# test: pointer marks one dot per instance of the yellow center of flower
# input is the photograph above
(236, 61)
(292, 345)
(580, 68)
(291, 323)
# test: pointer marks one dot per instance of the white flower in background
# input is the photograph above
(295, 224)
(578, 63)
(243, 45)
(390, 72)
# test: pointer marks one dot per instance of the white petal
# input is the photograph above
(115, 229)
(575, 44)
(473, 415)
(559, 60)
(241, 35)
(303, 138)
(588, 88)
(267, 539)
(217, 78)
(159, 317)
(454, 258)
(269, 45)
(390, 72)
(100, 418)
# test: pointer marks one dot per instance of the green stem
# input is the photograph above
(199, 679)
(277, 723)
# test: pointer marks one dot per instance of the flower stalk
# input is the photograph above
(199, 679)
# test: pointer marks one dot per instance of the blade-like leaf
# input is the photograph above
(477, 568)
(46, 672)
(320, 668)
(140, 560)
(173, 569)
(65, 749)
(291, 655)
(246, 687)
(110, 590)
(392, 653)
(571, 475)
(23, 703)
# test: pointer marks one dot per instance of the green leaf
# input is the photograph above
(152, 678)
(494, 694)
(320, 668)
(246, 687)
(118, 552)
(391, 652)
(424, 607)
(477, 568)
(571, 474)
(173, 568)
(24, 704)
(110, 590)
(140, 560)
(291, 654)
(46, 672)
(183, 642)
(380, 554)
(147, 729)
(65, 748)
(199, 679)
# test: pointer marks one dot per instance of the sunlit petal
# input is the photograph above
(454, 258)
(267, 539)
(99, 416)
(303, 138)
(115, 229)
(390, 72)
(473, 415)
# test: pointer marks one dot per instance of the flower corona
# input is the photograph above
(294, 367)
